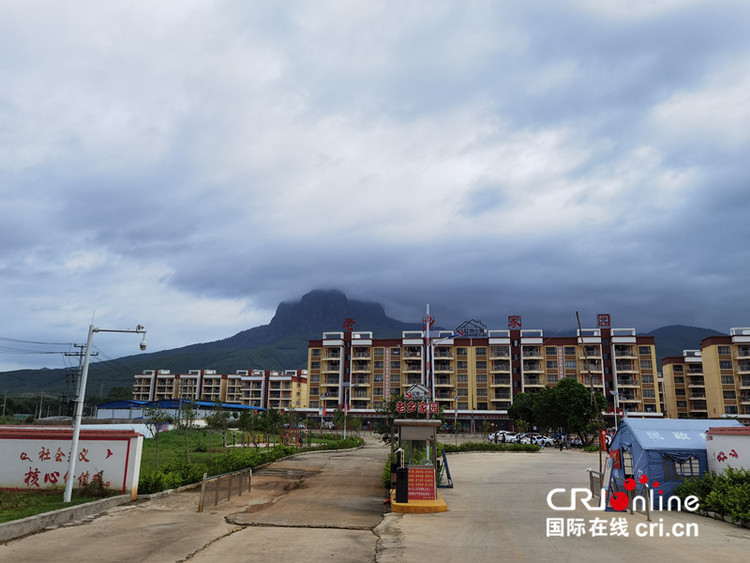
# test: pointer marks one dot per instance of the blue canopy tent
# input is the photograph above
(664, 450)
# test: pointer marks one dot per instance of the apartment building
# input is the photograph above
(281, 390)
(477, 375)
(712, 382)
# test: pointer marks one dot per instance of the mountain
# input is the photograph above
(673, 339)
(281, 344)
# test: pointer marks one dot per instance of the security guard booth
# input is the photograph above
(417, 470)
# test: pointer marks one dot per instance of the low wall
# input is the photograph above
(37, 523)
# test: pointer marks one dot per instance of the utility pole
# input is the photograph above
(80, 355)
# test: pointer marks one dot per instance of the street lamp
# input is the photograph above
(346, 385)
(79, 403)
(616, 395)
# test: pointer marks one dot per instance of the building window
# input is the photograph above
(461, 351)
(315, 378)
(644, 350)
(727, 380)
(379, 351)
(570, 364)
(481, 378)
(724, 350)
(462, 378)
(551, 364)
(680, 392)
(679, 470)
(378, 377)
(396, 352)
(378, 364)
(730, 395)
(462, 365)
(551, 350)
(481, 364)
(377, 392)
(395, 377)
(647, 378)
(725, 364)
(648, 393)
(314, 365)
(481, 392)
(315, 352)
(730, 409)
(481, 351)
(679, 380)
(647, 364)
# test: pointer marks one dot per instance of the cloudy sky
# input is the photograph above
(187, 165)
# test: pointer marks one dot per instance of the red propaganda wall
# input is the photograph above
(38, 457)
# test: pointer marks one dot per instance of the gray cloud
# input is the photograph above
(188, 167)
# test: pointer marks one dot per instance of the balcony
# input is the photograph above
(591, 352)
(443, 381)
(531, 352)
(501, 380)
(500, 366)
(361, 380)
(696, 382)
(532, 366)
(628, 398)
(499, 352)
(410, 365)
(745, 382)
(443, 366)
(446, 353)
(625, 365)
(627, 382)
(331, 366)
(743, 367)
(532, 382)
(624, 351)
(361, 366)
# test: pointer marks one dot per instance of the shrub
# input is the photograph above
(488, 447)
(727, 494)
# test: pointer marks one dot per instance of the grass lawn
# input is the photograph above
(202, 446)
(17, 505)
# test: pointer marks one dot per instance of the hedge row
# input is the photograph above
(727, 494)
(181, 473)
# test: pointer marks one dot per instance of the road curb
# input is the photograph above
(33, 524)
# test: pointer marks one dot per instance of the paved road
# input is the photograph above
(498, 511)
(328, 507)
(313, 507)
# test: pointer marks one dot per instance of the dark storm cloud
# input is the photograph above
(190, 166)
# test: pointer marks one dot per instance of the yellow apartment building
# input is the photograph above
(476, 375)
(712, 382)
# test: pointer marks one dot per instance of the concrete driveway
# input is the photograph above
(328, 507)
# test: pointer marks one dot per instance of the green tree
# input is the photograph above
(218, 421)
(187, 415)
(570, 407)
(156, 419)
(522, 409)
